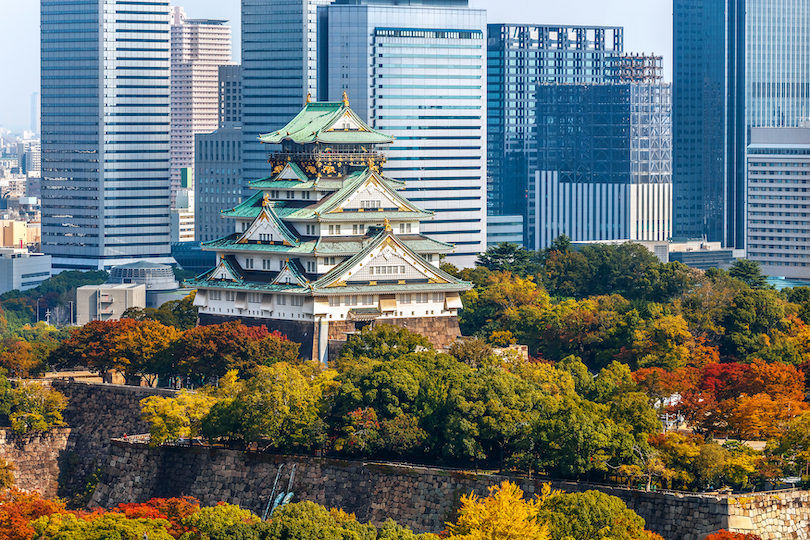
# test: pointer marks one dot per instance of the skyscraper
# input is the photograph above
(709, 120)
(417, 71)
(199, 47)
(279, 55)
(603, 163)
(519, 57)
(105, 133)
(777, 63)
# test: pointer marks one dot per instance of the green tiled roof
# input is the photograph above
(335, 274)
(315, 119)
(229, 243)
(392, 288)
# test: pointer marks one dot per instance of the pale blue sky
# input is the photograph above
(647, 28)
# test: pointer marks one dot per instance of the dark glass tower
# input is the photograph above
(519, 57)
(709, 120)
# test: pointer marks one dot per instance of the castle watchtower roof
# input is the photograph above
(327, 122)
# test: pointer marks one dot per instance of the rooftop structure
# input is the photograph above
(328, 244)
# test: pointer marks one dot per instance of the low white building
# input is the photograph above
(107, 302)
(22, 270)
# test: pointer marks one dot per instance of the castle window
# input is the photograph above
(230, 296)
(351, 300)
(311, 266)
(369, 204)
(367, 299)
(386, 270)
(404, 299)
(334, 229)
(334, 301)
(404, 228)
(249, 264)
(438, 298)
(421, 298)
(215, 295)
(274, 194)
(265, 264)
(305, 194)
(254, 298)
(281, 299)
(296, 300)
(290, 194)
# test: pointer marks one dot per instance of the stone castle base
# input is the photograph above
(441, 331)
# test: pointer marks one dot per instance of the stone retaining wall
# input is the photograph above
(96, 413)
(35, 458)
(421, 498)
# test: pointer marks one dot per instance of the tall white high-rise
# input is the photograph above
(418, 72)
(198, 48)
(105, 133)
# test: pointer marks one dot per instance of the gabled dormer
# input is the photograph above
(290, 274)
(267, 228)
(369, 192)
(386, 260)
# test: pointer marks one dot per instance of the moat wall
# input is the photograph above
(66, 457)
(419, 497)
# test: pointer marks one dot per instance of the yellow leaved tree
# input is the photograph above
(503, 515)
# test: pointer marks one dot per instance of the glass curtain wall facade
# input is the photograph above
(709, 120)
(105, 132)
(777, 77)
(603, 163)
(417, 72)
(519, 57)
(279, 57)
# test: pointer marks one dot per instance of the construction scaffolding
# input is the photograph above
(633, 67)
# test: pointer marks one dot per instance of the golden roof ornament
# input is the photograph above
(266, 200)
(309, 97)
(345, 99)
(387, 224)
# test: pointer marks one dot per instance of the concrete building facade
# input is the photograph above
(105, 133)
(418, 72)
(22, 270)
(778, 217)
(198, 48)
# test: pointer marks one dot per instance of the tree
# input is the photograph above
(172, 419)
(35, 407)
(309, 521)
(278, 405)
(221, 522)
(591, 515)
(473, 352)
(723, 534)
(18, 508)
(139, 349)
(507, 257)
(19, 358)
(382, 342)
(749, 272)
(97, 526)
(503, 515)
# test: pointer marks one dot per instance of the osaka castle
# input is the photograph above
(327, 244)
